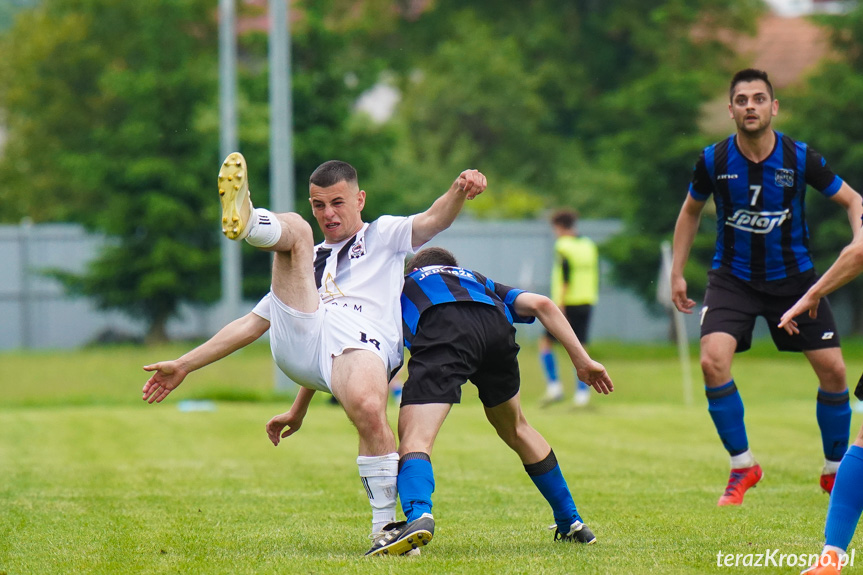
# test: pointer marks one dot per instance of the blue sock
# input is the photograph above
(726, 409)
(548, 478)
(549, 365)
(582, 385)
(415, 484)
(834, 418)
(846, 501)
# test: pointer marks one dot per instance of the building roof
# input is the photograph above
(787, 48)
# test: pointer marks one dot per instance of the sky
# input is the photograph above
(799, 7)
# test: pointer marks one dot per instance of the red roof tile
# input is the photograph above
(785, 48)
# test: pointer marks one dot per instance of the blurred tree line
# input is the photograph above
(112, 116)
(828, 113)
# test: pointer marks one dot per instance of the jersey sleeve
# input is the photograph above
(508, 294)
(396, 232)
(701, 185)
(819, 175)
(563, 263)
(262, 308)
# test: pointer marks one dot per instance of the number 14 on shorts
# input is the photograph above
(365, 339)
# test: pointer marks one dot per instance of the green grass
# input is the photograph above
(93, 480)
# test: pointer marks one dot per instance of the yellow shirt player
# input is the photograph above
(575, 288)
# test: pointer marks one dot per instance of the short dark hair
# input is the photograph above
(431, 257)
(749, 75)
(332, 172)
(564, 218)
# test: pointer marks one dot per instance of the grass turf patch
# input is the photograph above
(113, 485)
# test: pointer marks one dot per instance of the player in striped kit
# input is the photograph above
(458, 326)
(761, 266)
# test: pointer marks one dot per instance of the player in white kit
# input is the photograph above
(333, 310)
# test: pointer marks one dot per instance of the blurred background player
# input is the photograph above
(846, 501)
(761, 265)
(458, 326)
(575, 289)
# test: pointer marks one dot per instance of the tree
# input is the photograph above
(112, 119)
(112, 114)
(102, 99)
(9, 8)
(826, 113)
(331, 68)
(589, 104)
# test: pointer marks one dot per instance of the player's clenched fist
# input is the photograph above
(472, 182)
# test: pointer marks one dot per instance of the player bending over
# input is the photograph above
(458, 326)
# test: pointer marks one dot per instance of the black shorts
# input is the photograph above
(579, 319)
(732, 304)
(461, 341)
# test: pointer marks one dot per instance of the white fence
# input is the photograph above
(34, 310)
(36, 313)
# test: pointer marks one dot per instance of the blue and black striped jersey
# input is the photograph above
(433, 285)
(761, 231)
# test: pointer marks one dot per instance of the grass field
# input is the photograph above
(93, 480)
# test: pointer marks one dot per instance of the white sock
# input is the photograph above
(830, 467)
(840, 552)
(554, 388)
(378, 474)
(264, 229)
(742, 460)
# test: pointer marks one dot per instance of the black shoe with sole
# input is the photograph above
(578, 533)
(402, 537)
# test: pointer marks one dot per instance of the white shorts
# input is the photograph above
(304, 344)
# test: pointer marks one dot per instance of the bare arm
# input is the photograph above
(847, 266)
(853, 204)
(292, 419)
(170, 374)
(591, 372)
(442, 213)
(684, 234)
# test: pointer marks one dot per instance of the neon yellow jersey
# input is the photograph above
(576, 267)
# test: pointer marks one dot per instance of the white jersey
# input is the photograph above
(360, 283)
(365, 273)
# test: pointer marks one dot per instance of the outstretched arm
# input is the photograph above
(442, 213)
(168, 375)
(292, 419)
(847, 266)
(590, 372)
(684, 234)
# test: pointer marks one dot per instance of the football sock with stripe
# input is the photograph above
(548, 365)
(416, 484)
(846, 501)
(581, 385)
(833, 412)
(726, 410)
(548, 478)
(264, 229)
(378, 474)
